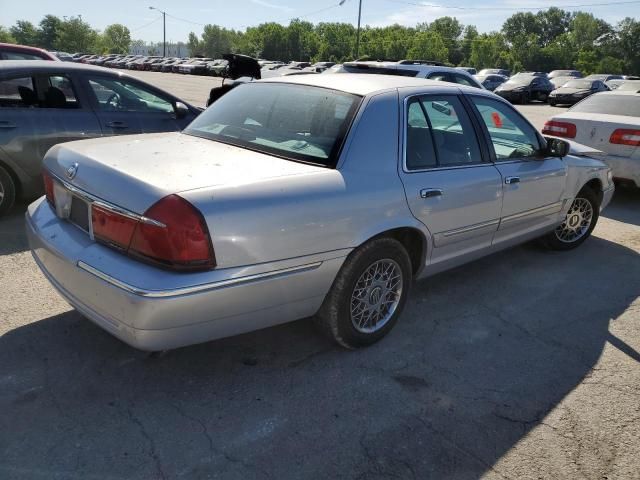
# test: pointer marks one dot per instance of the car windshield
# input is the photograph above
(584, 84)
(610, 104)
(292, 121)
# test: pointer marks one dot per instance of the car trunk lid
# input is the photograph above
(133, 172)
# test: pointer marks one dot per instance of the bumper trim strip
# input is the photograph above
(195, 288)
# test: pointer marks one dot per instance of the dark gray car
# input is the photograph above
(45, 103)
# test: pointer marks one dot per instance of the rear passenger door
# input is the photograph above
(450, 186)
(533, 185)
(39, 111)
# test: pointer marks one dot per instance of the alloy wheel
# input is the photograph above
(577, 222)
(376, 296)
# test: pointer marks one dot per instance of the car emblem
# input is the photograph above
(71, 171)
(593, 132)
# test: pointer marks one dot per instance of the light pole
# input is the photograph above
(164, 30)
(358, 30)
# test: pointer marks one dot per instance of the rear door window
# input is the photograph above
(439, 133)
(58, 92)
(462, 80)
(18, 93)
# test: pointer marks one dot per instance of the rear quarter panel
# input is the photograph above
(330, 210)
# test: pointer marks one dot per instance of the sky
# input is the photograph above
(184, 16)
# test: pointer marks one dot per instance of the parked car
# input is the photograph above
(630, 86)
(412, 68)
(9, 51)
(495, 71)
(529, 74)
(217, 67)
(565, 73)
(524, 88)
(469, 70)
(491, 82)
(157, 67)
(575, 90)
(558, 82)
(168, 67)
(198, 66)
(320, 67)
(292, 197)
(609, 122)
(46, 103)
(62, 56)
(604, 77)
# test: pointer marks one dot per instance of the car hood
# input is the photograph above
(135, 171)
(569, 90)
(508, 88)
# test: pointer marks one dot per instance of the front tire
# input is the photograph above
(580, 221)
(7, 191)
(368, 294)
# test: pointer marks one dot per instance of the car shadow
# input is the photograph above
(480, 356)
(13, 238)
(624, 206)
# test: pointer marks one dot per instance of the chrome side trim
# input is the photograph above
(195, 288)
(470, 228)
(93, 200)
(551, 208)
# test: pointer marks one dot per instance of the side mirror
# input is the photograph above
(181, 110)
(557, 147)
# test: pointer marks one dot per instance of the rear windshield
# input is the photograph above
(402, 72)
(627, 105)
(297, 122)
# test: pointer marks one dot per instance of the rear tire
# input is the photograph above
(580, 221)
(368, 294)
(552, 103)
(7, 191)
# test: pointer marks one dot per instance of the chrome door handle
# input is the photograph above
(117, 125)
(431, 192)
(511, 180)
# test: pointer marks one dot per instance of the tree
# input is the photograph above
(116, 38)
(449, 29)
(552, 23)
(24, 33)
(77, 36)
(486, 51)
(48, 31)
(196, 47)
(520, 25)
(5, 36)
(428, 45)
(628, 36)
(469, 35)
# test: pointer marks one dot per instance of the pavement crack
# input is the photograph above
(152, 446)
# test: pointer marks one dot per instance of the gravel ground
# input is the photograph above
(524, 364)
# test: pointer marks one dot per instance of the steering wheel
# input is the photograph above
(114, 101)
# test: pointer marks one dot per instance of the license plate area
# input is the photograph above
(80, 213)
(72, 208)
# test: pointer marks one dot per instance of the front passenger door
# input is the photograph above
(533, 186)
(126, 107)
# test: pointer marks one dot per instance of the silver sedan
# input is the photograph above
(319, 196)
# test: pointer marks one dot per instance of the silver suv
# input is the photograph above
(414, 68)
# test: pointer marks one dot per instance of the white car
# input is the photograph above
(609, 122)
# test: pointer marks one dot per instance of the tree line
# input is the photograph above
(544, 41)
(68, 35)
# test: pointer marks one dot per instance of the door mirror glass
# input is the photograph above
(181, 110)
(557, 147)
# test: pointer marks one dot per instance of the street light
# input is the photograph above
(164, 30)
(358, 31)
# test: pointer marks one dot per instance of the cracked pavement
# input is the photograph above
(524, 364)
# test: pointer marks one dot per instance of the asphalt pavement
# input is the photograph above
(524, 364)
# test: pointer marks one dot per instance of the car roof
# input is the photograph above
(364, 83)
(46, 66)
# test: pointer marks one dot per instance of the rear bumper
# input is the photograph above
(624, 168)
(151, 309)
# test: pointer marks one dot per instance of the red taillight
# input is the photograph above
(48, 188)
(623, 136)
(111, 227)
(559, 129)
(181, 241)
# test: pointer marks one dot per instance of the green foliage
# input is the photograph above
(428, 45)
(5, 36)
(547, 40)
(25, 33)
(116, 38)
